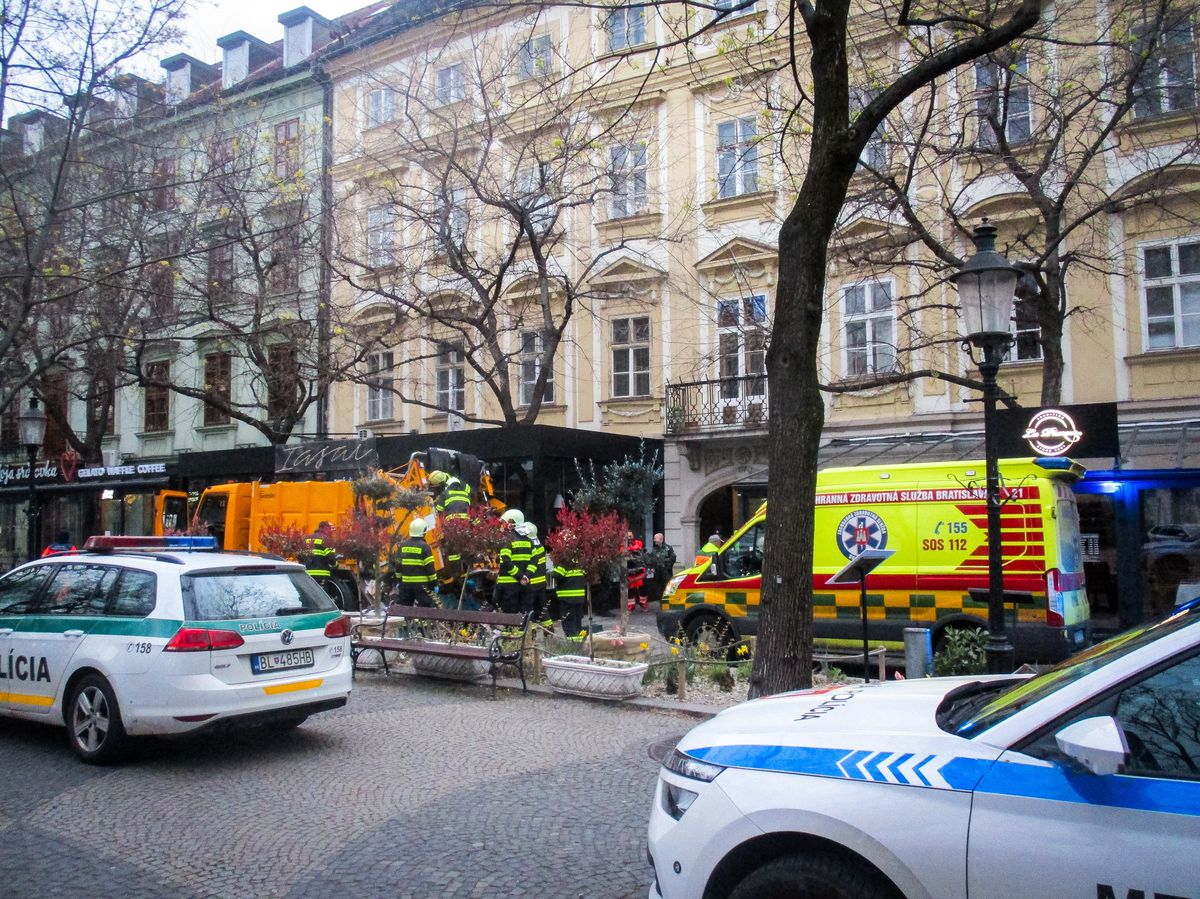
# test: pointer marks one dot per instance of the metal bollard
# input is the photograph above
(918, 652)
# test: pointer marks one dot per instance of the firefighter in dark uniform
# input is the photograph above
(539, 598)
(453, 501)
(571, 590)
(418, 578)
(513, 577)
(320, 558)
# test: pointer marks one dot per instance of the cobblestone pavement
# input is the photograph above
(417, 788)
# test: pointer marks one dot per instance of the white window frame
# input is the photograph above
(450, 377)
(381, 107)
(627, 354)
(630, 177)
(1025, 329)
(741, 346)
(625, 27)
(534, 185)
(381, 235)
(737, 157)
(1183, 252)
(381, 380)
(876, 153)
(1003, 90)
(720, 5)
(878, 351)
(451, 84)
(529, 365)
(1168, 80)
(456, 217)
(535, 57)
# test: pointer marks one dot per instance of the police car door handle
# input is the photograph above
(5, 631)
(73, 633)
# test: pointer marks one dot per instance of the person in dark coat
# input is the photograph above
(662, 564)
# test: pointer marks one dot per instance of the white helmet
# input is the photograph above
(530, 529)
(416, 528)
(514, 517)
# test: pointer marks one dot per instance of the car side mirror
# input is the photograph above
(1096, 743)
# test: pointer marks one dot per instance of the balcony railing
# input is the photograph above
(723, 404)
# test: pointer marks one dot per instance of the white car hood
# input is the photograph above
(884, 732)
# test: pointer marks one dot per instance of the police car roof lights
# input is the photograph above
(110, 543)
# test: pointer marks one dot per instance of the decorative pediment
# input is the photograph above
(864, 228)
(628, 276)
(739, 253)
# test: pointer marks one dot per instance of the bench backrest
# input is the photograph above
(461, 616)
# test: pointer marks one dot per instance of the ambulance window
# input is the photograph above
(134, 595)
(18, 589)
(80, 590)
(744, 557)
(1069, 556)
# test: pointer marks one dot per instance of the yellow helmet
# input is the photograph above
(438, 478)
(416, 528)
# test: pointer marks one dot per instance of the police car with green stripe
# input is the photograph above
(1079, 783)
(144, 635)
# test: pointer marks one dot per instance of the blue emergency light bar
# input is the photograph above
(1053, 463)
(109, 543)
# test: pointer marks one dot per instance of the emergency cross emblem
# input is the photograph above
(860, 530)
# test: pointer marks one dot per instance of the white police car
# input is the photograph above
(1080, 783)
(140, 635)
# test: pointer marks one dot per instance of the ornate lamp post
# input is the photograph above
(31, 427)
(986, 283)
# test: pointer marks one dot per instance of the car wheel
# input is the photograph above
(812, 877)
(341, 594)
(713, 634)
(94, 727)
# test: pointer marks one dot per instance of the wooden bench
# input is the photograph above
(498, 638)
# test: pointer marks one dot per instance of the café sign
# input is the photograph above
(67, 470)
(1079, 431)
(327, 457)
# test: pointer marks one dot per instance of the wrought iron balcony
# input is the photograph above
(722, 404)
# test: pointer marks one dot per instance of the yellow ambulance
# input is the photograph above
(934, 517)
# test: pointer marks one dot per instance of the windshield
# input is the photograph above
(972, 710)
(227, 596)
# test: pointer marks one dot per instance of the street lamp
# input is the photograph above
(986, 284)
(31, 427)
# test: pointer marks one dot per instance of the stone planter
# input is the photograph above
(601, 679)
(449, 667)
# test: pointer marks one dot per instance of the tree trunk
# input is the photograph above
(1051, 318)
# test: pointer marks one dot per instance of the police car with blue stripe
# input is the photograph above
(1079, 783)
(145, 635)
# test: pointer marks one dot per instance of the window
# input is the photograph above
(1002, 95)
(455, 217)
(135, 595)
(156, 412)
(1161, 720)
(876, 155)
(163, 185)
(381, 401)
(9, 430)
(631, 356)
(730, 8)
(80, 590)
(451, 378)
(381, 236)
(284, 272)
(1027, 332)
(1171, 284)
(529, 360)
(1167, 80)
(533, 57)
(742, 346)
(102, 404)
(626, 27)
(381, 106)
(628, 174)
(737, 157)
(283, 381)
(451, 84)
(221, 271)
(160, 283)
(18, 590)
(870, 345)
(534, 188)
(218, 381)
(287, 149)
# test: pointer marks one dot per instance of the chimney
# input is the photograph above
(133, 95)
(35, 129)
(243, 54)
(185, 75)
(303, 32)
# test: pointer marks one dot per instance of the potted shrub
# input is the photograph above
(592, 542)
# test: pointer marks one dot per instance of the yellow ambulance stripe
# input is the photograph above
(26, 699)
(293, 688)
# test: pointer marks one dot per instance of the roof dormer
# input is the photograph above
(304, 31)
(185, 75)
(243, 54)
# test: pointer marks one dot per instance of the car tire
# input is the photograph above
(712, 632)
(94, 728)
(812, 877)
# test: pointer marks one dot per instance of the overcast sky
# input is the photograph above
(211, 19)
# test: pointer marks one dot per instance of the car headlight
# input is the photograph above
(673, 585)
(686, 766)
